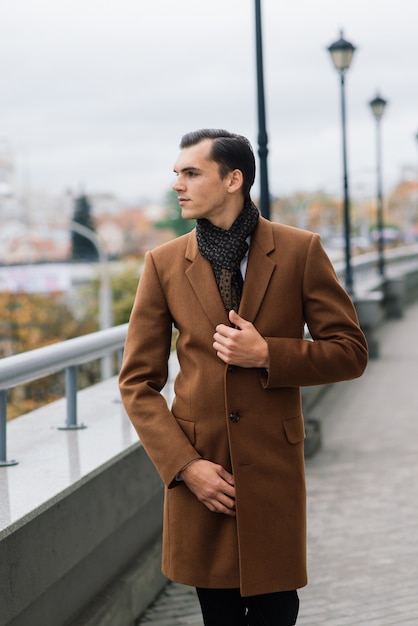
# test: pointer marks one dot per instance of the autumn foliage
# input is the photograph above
(30, 321)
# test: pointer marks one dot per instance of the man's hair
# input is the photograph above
(229, 150)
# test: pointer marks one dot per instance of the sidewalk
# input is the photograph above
(362, 499)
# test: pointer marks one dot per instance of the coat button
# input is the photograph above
(234, 416)
(231, 368)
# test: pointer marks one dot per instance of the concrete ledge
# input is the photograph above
(394, 297)
(310, 396)
(130, 595)
(411, 286)
(370, 313)
(313, 437)
(76, 512)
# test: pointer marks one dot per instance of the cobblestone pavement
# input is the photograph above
(362, 499)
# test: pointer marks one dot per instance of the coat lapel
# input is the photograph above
(202, 280)
(259, 270)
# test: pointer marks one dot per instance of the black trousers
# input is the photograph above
(226, 607)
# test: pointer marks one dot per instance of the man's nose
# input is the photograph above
(178, 185)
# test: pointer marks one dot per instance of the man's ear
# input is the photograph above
(236, 180)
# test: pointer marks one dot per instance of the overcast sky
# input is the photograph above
(99, 92)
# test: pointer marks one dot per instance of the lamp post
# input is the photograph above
(416, 216)
(377, 106)
(341, 52)
(105, 291)
(262, 133)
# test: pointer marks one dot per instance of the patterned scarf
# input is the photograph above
(225, 250)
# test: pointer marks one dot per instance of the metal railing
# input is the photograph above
(365, 266)
(67, 355)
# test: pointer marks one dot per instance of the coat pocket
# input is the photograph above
(294, 429)
(188, 428)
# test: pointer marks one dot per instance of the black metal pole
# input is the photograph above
(262, 133)
(347, 223)
(380, 240)
(416, 216)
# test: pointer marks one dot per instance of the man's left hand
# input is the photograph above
(242, 345)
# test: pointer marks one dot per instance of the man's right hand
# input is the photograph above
(212, 485)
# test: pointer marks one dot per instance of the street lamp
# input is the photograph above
(262, 133)
(377, 106)
(341, 52)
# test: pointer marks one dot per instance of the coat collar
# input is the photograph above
(259, 271)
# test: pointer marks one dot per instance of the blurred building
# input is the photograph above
(7, 170)
(8, 208)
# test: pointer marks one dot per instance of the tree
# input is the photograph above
(31, 321)
(124, 287)
(173, 219)
(82, 248)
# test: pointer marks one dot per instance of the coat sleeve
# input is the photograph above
(144, 373)
(338, 350)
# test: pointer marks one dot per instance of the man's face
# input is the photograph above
(202, 193)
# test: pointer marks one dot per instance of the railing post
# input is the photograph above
(120, 357)
(71, 395)
(3, 430)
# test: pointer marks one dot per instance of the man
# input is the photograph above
(239, 290)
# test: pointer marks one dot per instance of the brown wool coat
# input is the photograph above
(248, 420)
